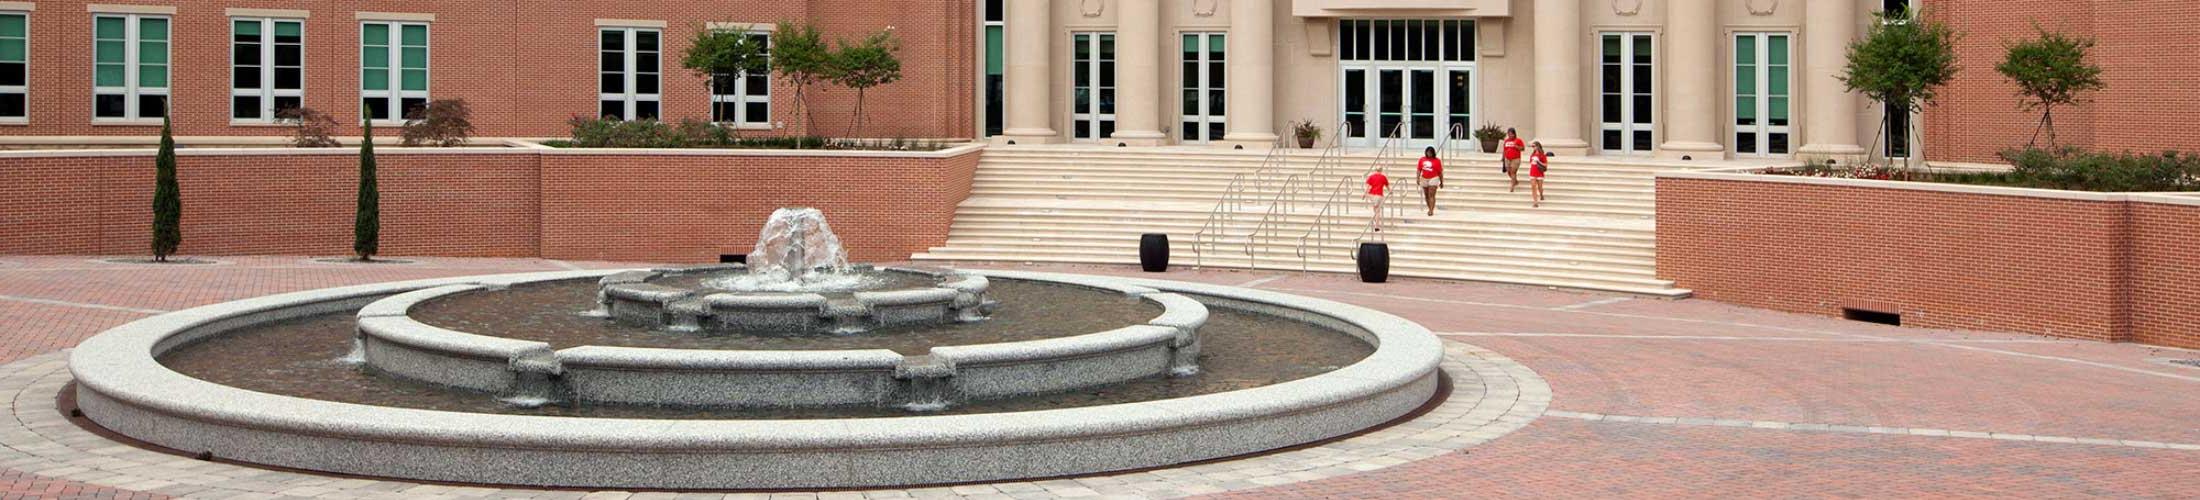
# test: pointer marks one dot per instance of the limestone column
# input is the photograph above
(1829, 111)
(1030, 47)
(1251, 98)
(1558, 63)
(1691, 89)
(1138, 73)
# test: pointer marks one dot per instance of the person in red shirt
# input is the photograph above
(1537, 164)
(1512, 148)
(1432, 177)
(1377, 185)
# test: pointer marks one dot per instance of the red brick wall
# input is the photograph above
(526, 66)
(2145, 54)
(1944, 260)
(2165, 274)
(666, 208)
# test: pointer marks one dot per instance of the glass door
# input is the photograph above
(1625, 101)
(1203, 81)
(1092, 104)
(1761, 95)
(1413, 78)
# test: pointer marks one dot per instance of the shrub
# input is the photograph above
(1489, 132)
(2075, 169)
(693, 133)
(167, 198)
(366, 226)
(314, 128)
(443, 122)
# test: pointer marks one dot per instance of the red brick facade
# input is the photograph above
(2145, 52)
(526, 66)
(2101, 270)
(662, 208)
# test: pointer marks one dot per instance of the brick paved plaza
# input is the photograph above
(1646, 398)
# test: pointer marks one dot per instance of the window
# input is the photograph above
(393, 69)
(15, 56)
(629, 73)
(1203, 81)
(1092, 108)
(995, 85)
(1412, 79)
(129, 67)
(744, 99)
(267, 68)
(1761, 94)
(1625, 101)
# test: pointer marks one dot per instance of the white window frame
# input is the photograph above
(396, 93)
(1627, 126)
(1764, 127)
(267, 91)
(1097, 116)
(1205, 120)
(132, 61)
(1442, 64)
(629, 96)
(25, 88)
(742, 98)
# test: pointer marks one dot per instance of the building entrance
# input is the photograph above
(1408, 78)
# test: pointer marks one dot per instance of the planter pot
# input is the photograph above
(1306, 142)
(1489, 145)
(1374, 262)
(1153, 252)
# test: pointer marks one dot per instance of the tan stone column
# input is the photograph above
(1558, 63)
(1691, 87)
(1252, 65)
(1138, 73)
(1030, 45)
(1829, 111)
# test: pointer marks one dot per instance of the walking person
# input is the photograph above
(1377, 186)
(1513, 146)
(1537, 164)
(1432, 177)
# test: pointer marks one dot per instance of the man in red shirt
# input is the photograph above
(1432, 177)
(1513, 147)
(1377, 185)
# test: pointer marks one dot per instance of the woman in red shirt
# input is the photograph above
(1432, 177)
(1377, 185)
(1512, 149)
(1537, 164)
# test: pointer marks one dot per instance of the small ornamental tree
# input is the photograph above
(366, 228)
(314, 128)
(801, 58)
(1902, 62)
(721, 57)
(167, 198)
(2050, 71)
(871, 62)
(443, 122)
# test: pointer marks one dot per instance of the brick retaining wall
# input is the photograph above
(2080, 265)
(671, 207)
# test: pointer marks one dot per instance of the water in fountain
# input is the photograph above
(797, 252)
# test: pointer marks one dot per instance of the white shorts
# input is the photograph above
(1431, 182)
(1374, 198)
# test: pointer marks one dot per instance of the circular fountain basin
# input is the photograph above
(532, 373)
(637, 298)
(123, 387)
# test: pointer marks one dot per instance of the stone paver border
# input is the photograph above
(1861, 429)
(1491, 396)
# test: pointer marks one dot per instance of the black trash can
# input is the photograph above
(1153, 252)
(1374, 262)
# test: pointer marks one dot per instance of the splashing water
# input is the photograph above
(797, 251)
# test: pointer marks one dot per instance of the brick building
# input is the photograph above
(1665, 78)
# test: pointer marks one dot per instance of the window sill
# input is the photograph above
(236, 123)
(14, 122)
(389, 123)
(120, 122)
(748, 126)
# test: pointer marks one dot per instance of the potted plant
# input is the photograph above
(1307, 132)
(1489, 134)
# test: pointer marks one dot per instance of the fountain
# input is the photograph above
(797, 369)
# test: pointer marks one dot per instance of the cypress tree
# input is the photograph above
(167, 198)
(366, 229)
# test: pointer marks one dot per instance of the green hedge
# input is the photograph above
(2079, 170)
(693, 133)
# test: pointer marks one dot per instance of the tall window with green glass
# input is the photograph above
(15, 59)
(393, 69)
(129, 66)
(266, 68)
(1761, 94)
(995, 110)
(1203, 77)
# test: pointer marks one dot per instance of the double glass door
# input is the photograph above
(1092, 105)
(1204, 76)
(1625, 101)
(1762, 125)
(1410, 79)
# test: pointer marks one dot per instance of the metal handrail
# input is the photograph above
(1318, 236)
(1234, 199)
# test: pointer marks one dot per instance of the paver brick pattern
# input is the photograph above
(1678, 368)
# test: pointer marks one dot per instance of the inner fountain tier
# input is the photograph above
(852, 300)
(394, 341)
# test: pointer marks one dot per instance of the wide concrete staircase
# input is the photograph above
(1303, 210)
